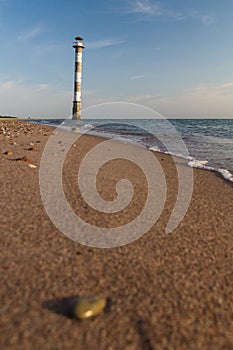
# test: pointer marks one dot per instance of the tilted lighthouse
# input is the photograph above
(78, 46)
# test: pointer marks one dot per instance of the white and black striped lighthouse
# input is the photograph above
(78, 46)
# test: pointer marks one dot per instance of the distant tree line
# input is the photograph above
(6, 116)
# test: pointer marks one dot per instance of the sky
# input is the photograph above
(175, 56)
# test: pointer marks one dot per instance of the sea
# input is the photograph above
(205, 143)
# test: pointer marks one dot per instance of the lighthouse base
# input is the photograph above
(76, 112)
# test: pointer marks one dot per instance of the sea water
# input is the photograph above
(209, 142)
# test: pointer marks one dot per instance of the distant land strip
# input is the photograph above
(6, 116)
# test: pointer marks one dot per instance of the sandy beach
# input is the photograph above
(164, 291)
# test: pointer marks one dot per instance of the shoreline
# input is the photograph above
(224, 173)
(166, 290)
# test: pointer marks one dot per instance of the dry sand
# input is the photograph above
(165, 291)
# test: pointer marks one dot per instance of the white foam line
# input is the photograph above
(199, 164)
(226, 174)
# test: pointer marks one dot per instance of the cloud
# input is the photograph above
(104, 43)
(43, 87)
(149, 8)
(217, 89)
(140, 76)
(227, 85)
(142, 98)
(53, 103)
(206, 100)
(6, 85)
(145, 7)
(206, 19)
(210, 101)
(226, 88)
(30, 34)
(155, 9)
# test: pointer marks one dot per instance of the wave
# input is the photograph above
(199, 164)
(202, 164)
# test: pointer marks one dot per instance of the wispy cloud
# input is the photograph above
(30, 34)
(142, 98)
(140, 76)
(218, 89)
(54, 102)
(205, 100)
(43, 87)
(6, 85)
(223, 89)
(20, 84)
(149, 8)
(146, 8)
(206, 19)
(98, 44)
(227, 85)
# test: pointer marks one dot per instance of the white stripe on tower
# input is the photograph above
(78, 77)
(78, 46)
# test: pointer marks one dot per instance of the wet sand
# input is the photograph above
(165, 291)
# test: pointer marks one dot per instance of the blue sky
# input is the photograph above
(175, 56)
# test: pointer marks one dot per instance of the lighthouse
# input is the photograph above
(78, 46)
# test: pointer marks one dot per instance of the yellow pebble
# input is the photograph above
(32, 166)
(89, 306)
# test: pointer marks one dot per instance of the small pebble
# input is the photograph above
(8, 153)
(22, 159)
(32, 166)
(88, 306)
